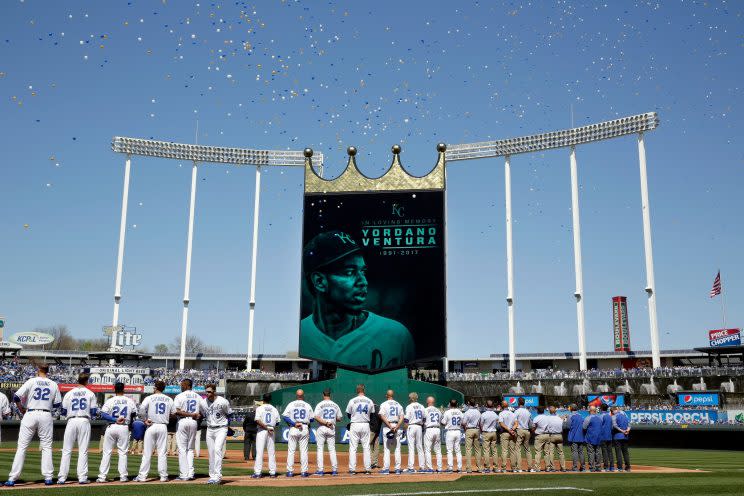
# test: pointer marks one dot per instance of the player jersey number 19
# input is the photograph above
(160, 408)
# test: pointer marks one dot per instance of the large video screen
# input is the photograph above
(373, 279)
(530, 400)
(613, 399)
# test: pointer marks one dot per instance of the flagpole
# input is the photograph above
(723, 302)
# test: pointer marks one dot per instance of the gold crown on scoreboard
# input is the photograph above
(396, 178)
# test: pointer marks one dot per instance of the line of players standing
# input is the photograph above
(38, 396)
(598, 433)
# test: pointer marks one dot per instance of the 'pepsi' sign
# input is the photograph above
(724, 337)
(698, 399)
(530, 400)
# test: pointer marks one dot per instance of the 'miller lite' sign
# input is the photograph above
(724, 337)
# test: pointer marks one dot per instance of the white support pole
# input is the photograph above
(579, 293)
(509, 264)
(120, 256)
(650, 286)
(187, 283)
(254, 260)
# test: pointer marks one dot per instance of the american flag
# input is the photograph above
(716, 286)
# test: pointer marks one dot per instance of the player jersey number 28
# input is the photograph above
(41, 394)
(299, 414)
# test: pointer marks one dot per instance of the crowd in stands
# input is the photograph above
(618, 373)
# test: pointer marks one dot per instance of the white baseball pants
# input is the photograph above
(452, 441)
(325, 435)
(77, 431)
(116, 435)
(155, 436)
(415, 446)
(432, 440)
(185, 438)
(216, 437)
(359, 433)
(388, 444)
(265, 439)
(36, 422)
(302, 437)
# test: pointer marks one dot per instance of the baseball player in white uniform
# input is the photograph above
(118, 411)
(359, 410)
(157, 410)
(4, 406)
(189, 407)
(327, 413)
(266, 418)
(452, 422)
(391, 414)
(79, 406)
(40, 395)
(414, 432)
(432, 434)
(218, 414)
(298, 414)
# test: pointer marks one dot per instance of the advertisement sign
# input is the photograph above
(724, 337)
(530, 400)
(126, 338)
(672, 416)
(373, 285)
(621, 331)
(698, 399)
(103, 388)
(31, 338)
(614, 399)
(111, 375)
(175, 389)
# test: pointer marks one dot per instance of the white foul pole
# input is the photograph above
(254, 260)
(579, 293)
(650, 286)
(509, 264)
(187, 283)
(120, 256)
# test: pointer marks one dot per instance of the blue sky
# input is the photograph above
(286, 75)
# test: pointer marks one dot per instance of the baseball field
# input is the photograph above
(656, 471)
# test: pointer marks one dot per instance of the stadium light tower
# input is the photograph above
(635, 124)
(198, 154)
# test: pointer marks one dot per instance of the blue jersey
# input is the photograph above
(575, 428)
(622, 422)
(138, 430)
(606, 427)
(593, 431)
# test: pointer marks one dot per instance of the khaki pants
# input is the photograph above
(508, 450)
(523, 440)
(490, 449)
(472, 442)
(556, 443)
(542, 445)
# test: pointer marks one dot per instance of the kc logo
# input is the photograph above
(398, 210)
(345, 238)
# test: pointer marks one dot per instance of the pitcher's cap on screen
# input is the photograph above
(326, 248)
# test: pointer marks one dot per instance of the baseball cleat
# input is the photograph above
(320, 473)
(448, 471)
(182, 478)
(50, 482)
(255, 476)
(273, 476)
(334, 473)
(352, 472)
(59, 481)
(397, 471)
(101, 480)
(86, 481)
(305, 474)
(164, 479)
(140, 479)
(9, 483)
(290, 474)
(122, 479)
(384, 472)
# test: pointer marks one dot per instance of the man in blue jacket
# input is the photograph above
(620, 434)
(593, 438)
(575, 426)
(609, 460)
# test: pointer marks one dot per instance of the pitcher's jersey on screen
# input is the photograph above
(120, 406)
(79, 402)
(158, 408)
(378, 343)
(40, 394)
(360, 408)
(328, 411)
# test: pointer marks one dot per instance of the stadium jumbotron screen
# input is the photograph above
(373, 289)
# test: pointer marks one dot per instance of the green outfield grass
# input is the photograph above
(724, 476)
